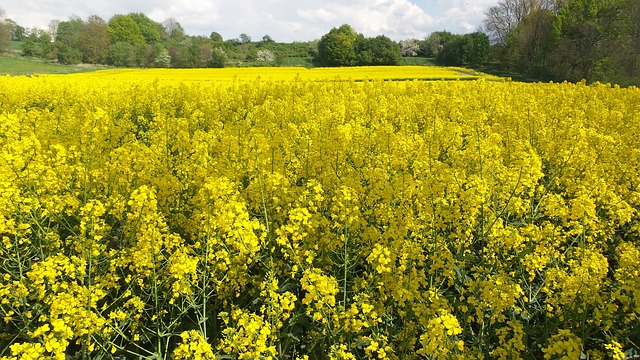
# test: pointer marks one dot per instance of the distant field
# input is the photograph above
(20, 66)
(290, 73)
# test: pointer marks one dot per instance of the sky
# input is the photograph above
(282, 20)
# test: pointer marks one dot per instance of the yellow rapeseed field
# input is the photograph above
(317, 214)
(296, 73)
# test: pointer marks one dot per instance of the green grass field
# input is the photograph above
(20, 66)
(417, 61)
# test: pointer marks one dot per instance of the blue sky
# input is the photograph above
(283, 20)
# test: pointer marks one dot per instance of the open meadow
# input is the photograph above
(291, 213)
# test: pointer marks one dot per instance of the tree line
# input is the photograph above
(344, 47)
(134, 40)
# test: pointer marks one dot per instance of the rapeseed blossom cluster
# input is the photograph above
(317, 215)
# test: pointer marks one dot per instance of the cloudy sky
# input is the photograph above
(283, 20)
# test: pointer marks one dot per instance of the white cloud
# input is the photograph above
(320, 14)
(394, 18)
(283, 20)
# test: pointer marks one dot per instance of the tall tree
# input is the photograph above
(173, 28)
(625, 55)
(476, 48)
(584, 29)
(529, 43)
(68, 32)
(94, 40)
(18, 33)
(337, 48)
(67, 42)
(53, 28)
(507, 14)
(452, 52)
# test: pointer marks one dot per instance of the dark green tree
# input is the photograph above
(67, 54)
(452, 52)
(200, 52)
(379, 50)
(218, 58)
(69, 32)
(94, 40)
(29, 47)
(216, 38)
(583, 30)
(529, 43)
(476, 48)
(121, 54)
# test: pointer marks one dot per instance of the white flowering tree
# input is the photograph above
(265, 56)
(409, 47)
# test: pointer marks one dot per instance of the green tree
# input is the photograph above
(69, 32)
(476, 48)
(502, 18)
(379, 50)
(216, 38)
(244, 38)
(94, 40)
(123, 28)
(337, 48)
(584, 30)
(218, 58)
(67, 54)
(452, 52)
(148, 28)
(37, 43)
(435, 42)
(200, 52)
(528, 44)
(18, 33)
(121, 54)
(180, 53)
